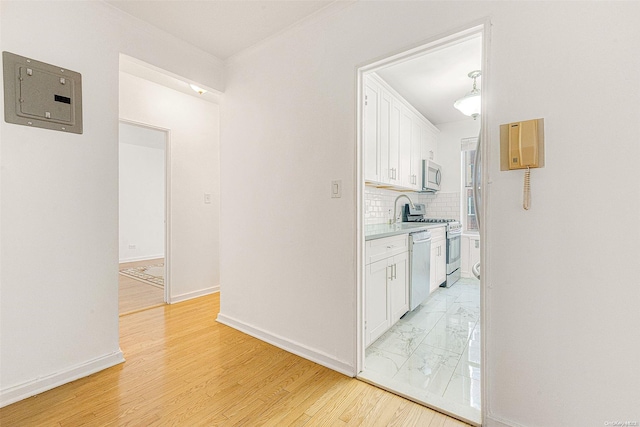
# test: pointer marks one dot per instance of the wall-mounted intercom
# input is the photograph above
(41, 95)
(522, 147)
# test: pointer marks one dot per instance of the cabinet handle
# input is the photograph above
(395, 271)
(390, 268)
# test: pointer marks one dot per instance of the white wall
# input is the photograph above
(562, 289)
(194, 149)
(449, 150)
(59, 195)
(141, 192)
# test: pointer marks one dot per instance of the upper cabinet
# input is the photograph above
(396, 138)
(371, 133)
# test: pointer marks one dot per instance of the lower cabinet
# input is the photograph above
(386, 296)
(399, 287)
(438, 258)
(377, 317)
(469, 254)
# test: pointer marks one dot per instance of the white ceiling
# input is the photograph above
(221, 27)
(433, 82)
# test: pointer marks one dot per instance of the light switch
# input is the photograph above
(207, 198)
(336, 189)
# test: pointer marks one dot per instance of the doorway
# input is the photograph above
(432, 353)
(143, 183)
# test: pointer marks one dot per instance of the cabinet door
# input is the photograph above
(441, 268)
(416, 155)
(428, 143)
(399, 287)
(438, 264)
(474, 251)
(405, 147)
(384, 137)
(370, 132)
(394, 141)
(377, 317)
(434, 262)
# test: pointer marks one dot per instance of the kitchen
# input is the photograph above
(421, 299)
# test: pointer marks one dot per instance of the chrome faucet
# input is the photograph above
(395, 205)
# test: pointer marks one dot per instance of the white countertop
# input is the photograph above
(377, 231)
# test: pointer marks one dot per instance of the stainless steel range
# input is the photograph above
(454, 235)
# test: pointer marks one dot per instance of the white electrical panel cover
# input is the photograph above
(41, 95)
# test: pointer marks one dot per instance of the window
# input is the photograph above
(468, 153)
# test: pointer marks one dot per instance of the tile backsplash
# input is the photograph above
(378, 204)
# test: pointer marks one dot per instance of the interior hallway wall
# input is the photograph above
(59, 194)
(562, 291)
(194, 251)
(141, 193)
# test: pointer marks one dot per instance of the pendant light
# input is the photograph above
(469, 104)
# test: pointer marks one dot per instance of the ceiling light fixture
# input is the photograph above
(469, 104)
(198, 89)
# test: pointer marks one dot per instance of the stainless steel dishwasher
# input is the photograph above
(419, 267)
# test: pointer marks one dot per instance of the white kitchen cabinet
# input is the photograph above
(399, 287)
(388, 151)
(415, 174)
(377, 316)
(406, 123)
(394, 141)
(370, 131)
(386, 290)
(396, 138)
(470, 254)
(428, 142)
(438, 257)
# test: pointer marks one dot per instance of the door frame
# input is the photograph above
(167, 200)
(481, 26)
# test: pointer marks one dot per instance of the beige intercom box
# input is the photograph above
(522, 145)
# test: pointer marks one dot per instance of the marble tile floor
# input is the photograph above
(432, 355)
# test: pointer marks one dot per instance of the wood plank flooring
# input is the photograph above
(134, 295)
(185, 369)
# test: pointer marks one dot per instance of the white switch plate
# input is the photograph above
(336, 189)
(207, 198)
(132, 246)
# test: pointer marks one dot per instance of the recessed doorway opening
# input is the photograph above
(143, 183)
(429, 350)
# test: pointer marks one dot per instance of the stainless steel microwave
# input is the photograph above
(431, 176)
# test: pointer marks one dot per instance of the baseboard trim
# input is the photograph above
(140, 258)
(195, 294)
(39, 385)
(288, 345)
(491, 420)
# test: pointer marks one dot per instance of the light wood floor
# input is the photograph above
(134, 295)
(185, 369)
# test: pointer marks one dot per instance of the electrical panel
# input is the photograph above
(41, 95)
